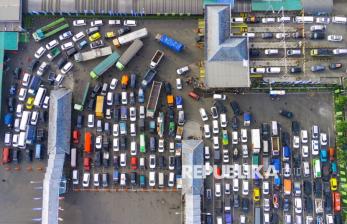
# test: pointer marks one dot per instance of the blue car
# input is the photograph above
(333, 168)
(323, 155)
(82, 44)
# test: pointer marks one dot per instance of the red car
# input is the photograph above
(76, 136)
(337, 201)
(331, 152)
(86, 163)
(218, 171)
(194, 96)
(275, 201)
(133, 162)
(6, 155)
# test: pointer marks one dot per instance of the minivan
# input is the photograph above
(271, 51)
(339, 19)
(273, 70)
(78, 36)
(171, 182)
(207, 132)
(75, 177)
(132, 129)
(129, 22)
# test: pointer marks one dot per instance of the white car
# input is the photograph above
(179, 84)
(123, 179)
(266, 187)
(152, 161)
(335, 38)
(65, 35)
(26, 79)
(268, 20)
(115, 131)
(296, 142)
(78, 36)
(203, 114)
(298, 205)
(129, 22)
(244, 135)
(90, 120)
(40, 52)
(113, 84)
(115, 144)
(22, 94)
(207, 131)
(215, 128)
(245, 187)
(245, 169)
(80, 22)
(98, 142)
(66, 46)
(96, 23)
(123, 160)
(323, 20)
(133, 148)
(218, 189)
(223, 120)
(132, 112)
(304, 136)
(142, 113)
(281, 35)
(161, 145)
(315, 147)
(86, 178)
(286, 170)
(225, 156)
(182, 70)
(45, 102)
(43, 67)
(52, 44)
(67, 67)
(34, 118)
(266, 204)
(329, 219)
(323, 139)
(215, 142)
(96, 180)
(234, 137)
(304, 151)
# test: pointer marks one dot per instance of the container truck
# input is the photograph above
(255, 133)
(99, 108)
(50, 29)
(103, 66)
(127, 38)
(322, 52)
(148, 77)
(80, 106)
(156, 59)
(275, 145)
(92, 54)
(153, 99)
(129, 54)
(169, 42)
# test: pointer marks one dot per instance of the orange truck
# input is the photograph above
(87, 142)
(124, 81)
(170, 100)
(287, 185)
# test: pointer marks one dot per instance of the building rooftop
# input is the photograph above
(10, 15)
(227, 59)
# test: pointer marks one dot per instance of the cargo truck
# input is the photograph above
(80, 106)
(287, 186)
(169, 42)
(170, 100)
(103, 66)
(129, 54)
(99, 108)
(127, 38)
(153, 99)
(321, 52)
(93, 54)
(148, 77)
(156, 59)
(255, 134)
(275, 145)
(160, 124)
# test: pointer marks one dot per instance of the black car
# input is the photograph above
(79, 122)
(317, 35)
(97, 158)
(214, 112)
(254, 53)
(33, 64)
(162, 163)
(17, 72)
(274, 218)
(43, 116)
(71, 52)
(132, 100)
(105, 142)
(168, 88)
(236, 153)
(234, 123)
(338, 218)
(317, 188)
(123, 143)
(220, 106)
(97, 88)
(29, 155)
(61, 62)
(16, 156)
(295, 70)
(40, 135)
(92, 30)
(133, 178)
(171, 114)
(13, 89)
(295, 127)
(326, 188)
(209, 219)
(285, 138)
(334, 66)
(328, 203)
(141, 125)
(308, 204)
(96, 44)
(11, 104)
(267, 35)
(236, 199)
(325, 171)
(91, 104)
(286, 114)
(51, 78)
(116, 114)
(265, 131)
(245, 204)
(115, 162)
(105, 162)
(117, 98)
(236, 108)
(307, 187)
(286, 204)
(123, 30)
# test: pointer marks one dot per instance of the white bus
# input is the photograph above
(304, 19)
(25, 120)
(22, 140)
(40, 95)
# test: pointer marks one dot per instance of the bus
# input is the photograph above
(142, 143)
(87, 142)
(40, 95)
(25, 120)
(316, 169)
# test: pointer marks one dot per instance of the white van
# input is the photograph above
(284, 19)
(73, 157)
(124, 98)
(245, 187)
(306, 169)
(271, 51)
(339, 19)
(207, 152)
(265, 147)
(151, 182)
(171, 182)
(237, 20)
(161, 178)
(215, 128)
(133, 129)
(273, 70)
(78, 36)
(274, 127)
(129, 22)
(304, 19)
(75, 177)
(207, 132)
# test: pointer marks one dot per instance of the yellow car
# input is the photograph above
(30, 103)
(109, 35)
(94, 37)
(333, 183)
(256, 194)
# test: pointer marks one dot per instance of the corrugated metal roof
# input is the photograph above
(227, 63)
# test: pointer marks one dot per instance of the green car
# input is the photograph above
(225, 137)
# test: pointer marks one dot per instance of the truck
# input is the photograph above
(153, 99)
(34, 84)
(80, 106)
(156, 59)
(321, 52)
(148, 77)
(160, 124)
(50, 29)
(99, 108)
(92, 54)
(179, 133)
(129, 54)
(169, 42)
(246, 119)
(170, 100)
(255, 133)
(8, 119)
(127, 38)
(179, 102)
(103, 66)
(275, 145)
(30, 134)
(53, 53)
(287, 186)
(178, 149)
